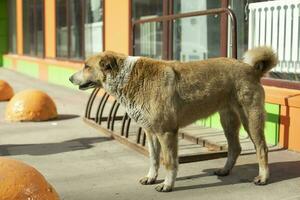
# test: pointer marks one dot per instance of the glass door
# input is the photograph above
(185, 39)
(196, 38)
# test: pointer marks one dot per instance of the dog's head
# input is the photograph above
(96, 68)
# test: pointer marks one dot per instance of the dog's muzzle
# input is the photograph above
(87, 85)
(76, 79)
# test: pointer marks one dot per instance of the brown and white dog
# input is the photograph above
(163, 96)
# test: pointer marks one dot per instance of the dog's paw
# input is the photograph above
(222, 172)
(147, 180)
(163, 188)
(259, 180)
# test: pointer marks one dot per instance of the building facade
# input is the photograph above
(50, 39)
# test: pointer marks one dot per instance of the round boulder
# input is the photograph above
(20, 181)
(30, 105)
(6, 91)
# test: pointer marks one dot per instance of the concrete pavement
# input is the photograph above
(83, 164)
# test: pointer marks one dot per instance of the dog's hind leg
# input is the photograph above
(253, 120)
(154, 157)
(169, 145)
(231, 124)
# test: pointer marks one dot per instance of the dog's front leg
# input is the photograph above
(169, 145)
(154, 154)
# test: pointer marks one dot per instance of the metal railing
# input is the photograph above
(102, 113)
(167, 18)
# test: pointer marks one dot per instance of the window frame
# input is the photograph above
(167, 38)
(168, 49)
(69, 22)
(35, 31)
(9, 6)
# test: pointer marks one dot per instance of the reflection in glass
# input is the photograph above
(33, 27)
(76, 31)
(61, 29)
(196, 38)
(12, 48)
(79, 28)
(148, 36)
(93, 27)
(39, 27)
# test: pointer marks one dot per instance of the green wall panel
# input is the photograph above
(7, 62)
(28, 68)
(4, 45)
(271, 125)
(3, 29)
(60, 75)
(3, 8)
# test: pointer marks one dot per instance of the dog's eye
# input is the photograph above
(108, 66)
(86, 66)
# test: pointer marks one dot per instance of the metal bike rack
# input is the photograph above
(106, 114)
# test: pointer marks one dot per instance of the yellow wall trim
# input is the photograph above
(19, 20)
(117, 25)
(47, 61)
(50, 40)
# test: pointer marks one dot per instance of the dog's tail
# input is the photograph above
(262, 59)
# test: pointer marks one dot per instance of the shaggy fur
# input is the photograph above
(162, 96)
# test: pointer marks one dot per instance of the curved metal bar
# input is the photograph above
(99, 106)
(227, 11)
(127, 127)
(232, 16)
(114, 117)
(102, 109)
(138, 137)
(87, 108)
(110, 113)
(90, 102)
(125, 117)
(144, 139)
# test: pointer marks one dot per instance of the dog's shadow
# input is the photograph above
(280, 171)
(51, 148)
(62, 117)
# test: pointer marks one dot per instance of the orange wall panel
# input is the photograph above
(284, 126)
(289, 100)
(117, 25)
(19, 20)
(50, 43)
(294, 130)
(279, 95)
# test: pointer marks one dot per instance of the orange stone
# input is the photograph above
(30, 105)
(19, 181)
(6, 91)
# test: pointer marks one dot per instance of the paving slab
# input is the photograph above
(83, 164)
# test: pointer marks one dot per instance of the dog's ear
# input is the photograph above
(108, 63)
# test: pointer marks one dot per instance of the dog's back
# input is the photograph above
(211, 84)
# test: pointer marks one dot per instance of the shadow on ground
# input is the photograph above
(280, 171)
(50, 148)
(62, 117)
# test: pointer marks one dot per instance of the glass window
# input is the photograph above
(78, 28)
(33, 27)
(240, 9)
(191, 38)
(61, 29)
(148, 36)
(93, 27)
(12, 47)
(39, 27)
(196, 38)
(267, 21)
